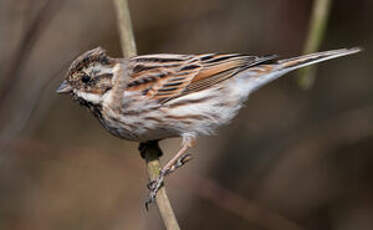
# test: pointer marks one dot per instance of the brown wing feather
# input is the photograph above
(167, 76)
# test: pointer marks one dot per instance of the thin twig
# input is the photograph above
(317, 28)
(151, 152)
(125, 28)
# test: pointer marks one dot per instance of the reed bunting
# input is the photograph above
(153, 97)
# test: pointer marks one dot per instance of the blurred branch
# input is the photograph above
(236, 204)
(16, 123)
(125, 28)
(317, 28)
(152, 152)
(33, 32)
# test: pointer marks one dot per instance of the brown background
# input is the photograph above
(291, 159)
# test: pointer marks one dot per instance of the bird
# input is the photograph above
(153, 97)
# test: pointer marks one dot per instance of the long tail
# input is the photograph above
(302, 61)
(281, 67)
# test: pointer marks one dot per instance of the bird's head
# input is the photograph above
(89, 77)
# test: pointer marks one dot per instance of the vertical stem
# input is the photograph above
(125, 28)
(317, 28)
(151, 151)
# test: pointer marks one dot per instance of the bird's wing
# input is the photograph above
(167, 76)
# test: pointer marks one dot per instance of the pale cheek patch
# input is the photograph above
(89, 97)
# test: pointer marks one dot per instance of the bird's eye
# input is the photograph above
(86, 78)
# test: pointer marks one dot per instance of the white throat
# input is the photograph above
(91, 97)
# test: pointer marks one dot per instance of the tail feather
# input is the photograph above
(302, 61)
(276, 69)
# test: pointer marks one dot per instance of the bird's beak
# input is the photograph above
(64, 88)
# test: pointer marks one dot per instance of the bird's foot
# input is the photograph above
(154, 187)
(156, 184)
(179, 163)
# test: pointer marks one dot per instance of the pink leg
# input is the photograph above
(177, 161)
(171, 163)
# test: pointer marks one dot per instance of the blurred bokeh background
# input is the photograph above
(292, 159)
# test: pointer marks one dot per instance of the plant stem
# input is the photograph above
(151, 152)
(125, 28)
(317, 28)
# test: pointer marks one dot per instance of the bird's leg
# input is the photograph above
(180, 158)
(176, 162)
(179, 163)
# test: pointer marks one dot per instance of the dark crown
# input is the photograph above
(95, 55)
